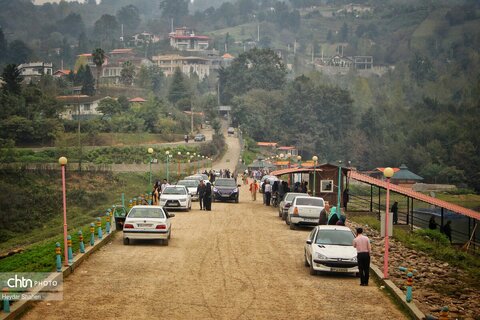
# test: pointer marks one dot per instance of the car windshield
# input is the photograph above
(291, 196)
(197, 178)
(199, 136)
(314, 202)
(335, 237)
(188, 183)
(146, 213)
(174, 190)
(225, 183)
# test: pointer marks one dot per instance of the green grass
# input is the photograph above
(40, 257)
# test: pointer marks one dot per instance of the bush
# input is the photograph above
(434, 236)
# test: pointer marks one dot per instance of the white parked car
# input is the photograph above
(305, 210)
(176, 197)
(191, 186)
(147, 222)
(287, 202)
(330, 248)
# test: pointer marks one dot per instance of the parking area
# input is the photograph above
(239, 261)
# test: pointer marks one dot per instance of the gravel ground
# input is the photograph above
(239, 261)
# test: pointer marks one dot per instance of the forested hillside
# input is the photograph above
(419, 105)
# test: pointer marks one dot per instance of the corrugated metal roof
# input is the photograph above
(405, 174)
(415, 195)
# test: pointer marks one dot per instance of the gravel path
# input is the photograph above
(239, 261)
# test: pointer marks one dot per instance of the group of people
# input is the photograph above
(204, 192)
(330, 216)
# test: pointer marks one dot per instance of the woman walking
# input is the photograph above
(207, 197)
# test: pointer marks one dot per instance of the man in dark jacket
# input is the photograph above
(201, 193)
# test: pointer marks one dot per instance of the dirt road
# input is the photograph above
(239, 261)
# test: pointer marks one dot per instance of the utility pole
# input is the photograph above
(258, 33)
(191, 118)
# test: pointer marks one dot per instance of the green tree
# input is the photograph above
(12, 78)
(174, 9)
(127, 74)
(3, 47)
(178, 87)
(98, 59)
(421, 68)
(18, 52)
(129, 16)
(109, 107)
(106, 28)
(88, 85)
(254, 69)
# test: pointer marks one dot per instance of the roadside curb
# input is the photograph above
(19, 307)
(397, 294)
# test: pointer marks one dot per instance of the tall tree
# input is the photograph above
(174, 9)
(11, 77)
(106, 28)
(18, 52)
(3, 47)
(178, 88)
(98, 58)
(127, 74)
(88, 85)
(129, 16)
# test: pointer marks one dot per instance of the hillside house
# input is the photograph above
(188, 65)
(83, 106)
(184, 39)
(34, 70)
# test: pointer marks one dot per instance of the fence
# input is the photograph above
(413, 213)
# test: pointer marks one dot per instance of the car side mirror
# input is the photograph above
(171, 215)
(309, 241)
(239, 185)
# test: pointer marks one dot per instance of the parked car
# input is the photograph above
(305, 210)
(147, 222)
(225, 189)
(191, 186)
(197, 177)
(199, 138)
(231, 130)
(287, 202)
(271, 180)
(330, 248)
(176, 197)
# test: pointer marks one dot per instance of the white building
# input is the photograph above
(185, 40)
(188, 65)
(32, 70)
(82, 106)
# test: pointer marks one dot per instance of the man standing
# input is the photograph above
(394, 210)
(254, 189)
(164, 184)
(362, 244)
(201, 193)
(268, 192)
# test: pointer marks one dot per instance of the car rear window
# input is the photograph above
(188, 183)
(174, 190)
(335, 237)
(225, 183)
(315, 202)
(146, 213)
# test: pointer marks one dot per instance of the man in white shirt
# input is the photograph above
(164, 184)
(268, 192)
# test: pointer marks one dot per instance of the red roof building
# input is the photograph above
(186, 40)
(138, 100)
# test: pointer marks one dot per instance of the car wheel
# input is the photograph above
(170, 234)
(126, 241)
(165, 242)
(306, 261)
(236, 199)
(287, 221)
(312, 271)
(292, 226)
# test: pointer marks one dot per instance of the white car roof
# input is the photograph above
(148, 207)
(333, 227)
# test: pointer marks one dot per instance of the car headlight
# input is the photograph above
(320, 256)
(235, 190)
(215, 190)
(354, 259)
(182, 199)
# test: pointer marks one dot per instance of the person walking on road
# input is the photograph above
(268, 192)
(432, 224)
(395, 212)
(253, 190)
(207, 197)
(201, 193)
(362, 244)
